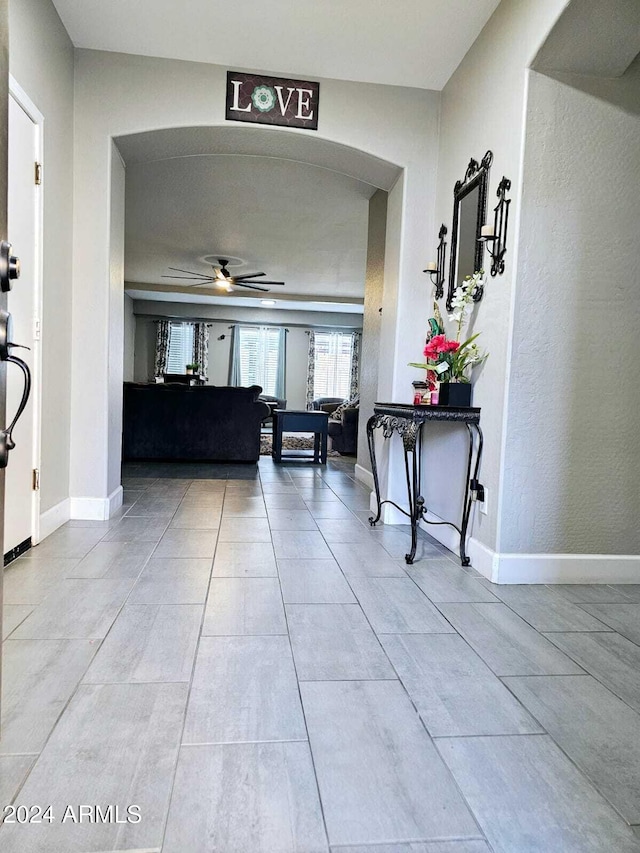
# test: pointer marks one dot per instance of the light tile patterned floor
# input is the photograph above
(240, 656)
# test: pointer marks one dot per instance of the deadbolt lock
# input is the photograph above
(9, 266)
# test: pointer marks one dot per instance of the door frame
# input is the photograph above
(24, 101)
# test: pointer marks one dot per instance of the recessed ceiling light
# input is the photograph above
(268, 302)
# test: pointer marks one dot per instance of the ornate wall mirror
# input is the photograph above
(469, 212)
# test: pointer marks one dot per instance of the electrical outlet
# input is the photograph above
(484, 505)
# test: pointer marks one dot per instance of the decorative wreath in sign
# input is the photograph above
(264, 98)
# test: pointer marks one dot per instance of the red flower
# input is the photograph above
(438, 345)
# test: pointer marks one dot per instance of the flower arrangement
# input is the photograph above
(450, 360)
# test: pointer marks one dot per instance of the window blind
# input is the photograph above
(259, 356)
(180, 347)
(333, 354)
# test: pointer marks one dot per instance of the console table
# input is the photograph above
(408, 421)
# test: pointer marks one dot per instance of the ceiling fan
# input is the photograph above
(223, 278)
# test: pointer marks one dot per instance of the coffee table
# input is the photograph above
(292, 420)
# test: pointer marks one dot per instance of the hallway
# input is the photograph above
(241, 657)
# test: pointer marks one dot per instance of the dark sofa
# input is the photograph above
(214, 423)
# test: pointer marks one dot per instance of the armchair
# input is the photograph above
(273, 403)
(344, 432)
(326, 404)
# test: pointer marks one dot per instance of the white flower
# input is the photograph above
(264, 98)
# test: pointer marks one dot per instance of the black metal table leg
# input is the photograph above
(371, 425)
(466, 510)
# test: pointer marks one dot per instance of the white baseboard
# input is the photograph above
(96, 509)
(569, 568)
(539, 568)
(365, 476)
(115, 500)
(54, 518)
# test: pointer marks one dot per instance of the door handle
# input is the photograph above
(6, 435)
(9, 266)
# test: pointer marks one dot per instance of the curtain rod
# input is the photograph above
(155, 318)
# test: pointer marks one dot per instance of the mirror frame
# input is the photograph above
(477, 175)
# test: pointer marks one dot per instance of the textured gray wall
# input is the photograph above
(572, 467)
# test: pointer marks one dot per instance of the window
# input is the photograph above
(333, 354)
(260, 358)
(180, 347)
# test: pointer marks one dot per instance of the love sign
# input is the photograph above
(272, 100)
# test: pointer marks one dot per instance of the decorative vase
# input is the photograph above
(189, 371)
(456, 394)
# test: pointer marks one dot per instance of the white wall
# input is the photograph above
(219, 351)
(372, 320)
(116, 320)
(120, 94)
(572, 468)
(129, 339)
(483, 107)
(41, 61)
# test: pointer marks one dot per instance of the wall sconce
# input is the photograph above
(437, 267)
(495, 236)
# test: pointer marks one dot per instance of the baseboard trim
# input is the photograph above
(364, 476)
(53, 518)
(539, 568)
(115, 500)
(96, 509)
(569, 568)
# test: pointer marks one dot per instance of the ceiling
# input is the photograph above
(397, 42)
(299, 223)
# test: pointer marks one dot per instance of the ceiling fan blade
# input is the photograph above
(271, 282)
(252, 287)
(191, 272)
(248, 275)
(189, 277)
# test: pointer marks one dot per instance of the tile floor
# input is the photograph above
(240, 656)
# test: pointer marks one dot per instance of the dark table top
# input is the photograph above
(312, 412)
(419, 414)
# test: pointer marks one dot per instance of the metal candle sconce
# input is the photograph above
(495, 236)
(437, 267)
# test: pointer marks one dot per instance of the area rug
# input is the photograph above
(290, 442)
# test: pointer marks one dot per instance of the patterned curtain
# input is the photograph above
(162, 347)
(354, 382)
(201, 347)
(311, 368)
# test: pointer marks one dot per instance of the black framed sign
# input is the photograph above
(272, 100)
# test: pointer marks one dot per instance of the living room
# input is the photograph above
(198, 284)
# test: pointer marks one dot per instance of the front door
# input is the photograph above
(22, 224)
(4, 107)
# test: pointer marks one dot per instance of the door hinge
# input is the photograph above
(35, 481)
(38, 174)
(36, 330)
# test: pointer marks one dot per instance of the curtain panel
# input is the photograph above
(311, 368)
(354, 381)
(162, 347)
(234, 358)
(201, 347)
(281, 376)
